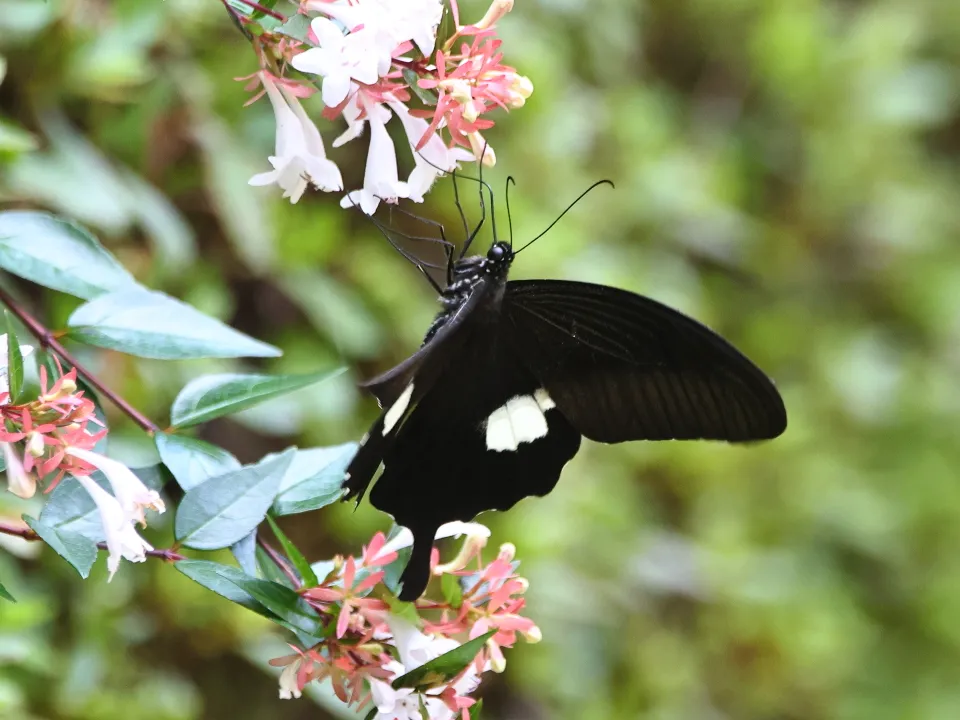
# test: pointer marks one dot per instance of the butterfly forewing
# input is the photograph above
(623, 367)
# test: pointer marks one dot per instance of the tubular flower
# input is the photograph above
(300, 158)
(366, 56)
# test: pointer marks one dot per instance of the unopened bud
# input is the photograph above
(522, 585)
(35, 444)
(497, 9)
(498, 663)
(460, 90)
(520, 89)
(471, 547)
(481, 150)
(533, 635)
(66, 387)
(507, 552)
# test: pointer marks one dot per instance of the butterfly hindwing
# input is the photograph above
(485, 436)
(623, 367)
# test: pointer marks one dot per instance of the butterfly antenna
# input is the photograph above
(569, 207)
(506, 193)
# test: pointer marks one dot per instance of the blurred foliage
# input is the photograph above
(786, 172)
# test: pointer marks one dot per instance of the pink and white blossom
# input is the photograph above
(134, 497)
(20, 482)
(300, 158)
(381, 179)
(339, 59)
(122, 539)
(432, 159)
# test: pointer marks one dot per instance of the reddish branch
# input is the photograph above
(257, 6)
(49, 341)
(28, 534)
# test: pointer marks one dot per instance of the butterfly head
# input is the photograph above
(500, 253)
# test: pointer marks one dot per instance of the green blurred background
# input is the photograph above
(786, 172)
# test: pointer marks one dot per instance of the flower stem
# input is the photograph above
(49, 341)
(265, 10)
(28, 534)
(280, 561)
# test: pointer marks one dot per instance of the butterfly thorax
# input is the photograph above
(467, 274)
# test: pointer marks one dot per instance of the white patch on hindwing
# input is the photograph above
(521, 419)
(397, 410)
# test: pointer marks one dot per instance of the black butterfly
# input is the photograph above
(511, 375)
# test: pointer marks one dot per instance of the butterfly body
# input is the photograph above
(511, 375)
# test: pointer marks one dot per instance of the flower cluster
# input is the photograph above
(372, 643)
(371, 58)
(52, 437)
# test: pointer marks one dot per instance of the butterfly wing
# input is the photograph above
(482, 438)
(400, 389)
(623, 367)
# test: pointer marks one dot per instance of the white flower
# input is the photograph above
(300, 157)
(416, 20)
(351, 113)
(380, 178)
(432, 160)
(19, 481)
(404, 704)
(339, 59)
(122, 538)
(129, 491)
(25, 351)
(289, 688)
(386, 24)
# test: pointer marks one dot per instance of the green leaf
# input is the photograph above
(226, 582)
(314, 479)
(452, 593)
(5, 594)
(153, 325)
(285, 604)
(14, 361)
(58, 254)
(193, 461)
(222, 510)
(444, 668)
(76, 549)
(426, 97)
(212, 396)
(70, 508)
(295, 556)
(245, 553)
(296, 27)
